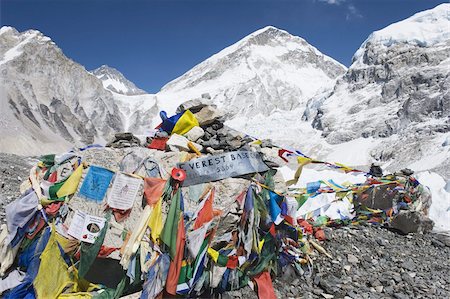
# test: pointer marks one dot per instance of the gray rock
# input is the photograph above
(411, 221)
(352, 259)
(437, 243)
(208, 115)
(194, 105)
(408, 264)
(382, 242)
(330, 284)
(401, 296)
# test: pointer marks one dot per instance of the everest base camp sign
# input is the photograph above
(217, 167)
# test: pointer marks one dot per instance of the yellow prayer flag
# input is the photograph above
(71, 185)
(344, 167)
(213, 254)
(260, 245)
(374, 210)
(303, 160)
(53, 275)
(185, 123)
(156, 222)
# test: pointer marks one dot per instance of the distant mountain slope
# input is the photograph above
(115, 81)
(48, 102)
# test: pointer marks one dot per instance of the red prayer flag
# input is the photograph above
(153, 189)
(53, 177)
(265, 287)
(206, 214)
(158, 144)
(232, 262)
(272, 230)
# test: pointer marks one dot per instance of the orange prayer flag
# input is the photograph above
(206, 214)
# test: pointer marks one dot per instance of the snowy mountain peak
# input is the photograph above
(423, 29)
(13, 42)
(269, 31)
(6, 29)
(115, 81)
(280, 40)
(268, 70)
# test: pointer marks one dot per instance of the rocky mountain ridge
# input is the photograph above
(401, 73)
(48, 101)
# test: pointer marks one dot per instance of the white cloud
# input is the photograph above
(333, 2)
(353, 12)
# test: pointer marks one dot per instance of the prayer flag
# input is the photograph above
(71, 184)
(96, 183)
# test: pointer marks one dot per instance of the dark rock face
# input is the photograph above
(380, 197)
(407, 78)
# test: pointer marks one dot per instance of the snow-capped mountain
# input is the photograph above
(48, 102)
(115, 81)
(266, 71)
(398, 91)
(53, 100)
(400, 72)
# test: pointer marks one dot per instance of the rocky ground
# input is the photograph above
(367, 261)
(13, 170)
(373, 262)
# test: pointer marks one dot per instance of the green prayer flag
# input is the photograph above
(54, 189)
(90, 251)
(170, 231)
(47, 160)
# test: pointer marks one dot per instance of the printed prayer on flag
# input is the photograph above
(96, 183)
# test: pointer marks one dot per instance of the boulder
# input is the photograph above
(411, 222)
(379, 197)
(194, 105)
(178, 143)
(122, 140)
(195, 134)
(208, 115)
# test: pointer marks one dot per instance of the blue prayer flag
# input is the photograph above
(274, 208)
(96, 183)
(312, 187)
(248, 205)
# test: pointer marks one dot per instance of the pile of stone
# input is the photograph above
(122, 140)
(212, 134)
(210, 137)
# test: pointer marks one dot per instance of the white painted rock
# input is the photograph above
(178, 143)
(194, 134)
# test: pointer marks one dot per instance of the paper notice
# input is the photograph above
(85, 227)
(123, 192)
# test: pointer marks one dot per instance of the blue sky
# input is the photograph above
(153, 42)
